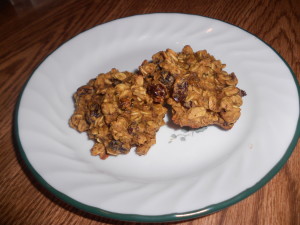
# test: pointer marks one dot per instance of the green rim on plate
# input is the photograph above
(166, 217)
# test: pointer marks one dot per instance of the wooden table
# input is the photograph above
(30, 30)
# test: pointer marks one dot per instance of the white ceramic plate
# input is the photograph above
(187, 173)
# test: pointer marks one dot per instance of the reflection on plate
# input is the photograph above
(188, 173)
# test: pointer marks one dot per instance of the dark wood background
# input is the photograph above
(31, 29)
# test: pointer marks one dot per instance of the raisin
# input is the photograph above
(84, 90)
(157, 91)
(243, 93)
(115, 82)
(150, 76)
(95, 110)
(130, 130)
(117, 146)
(167, 79)
(180, 94)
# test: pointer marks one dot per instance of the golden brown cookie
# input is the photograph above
(117, 113)
(195, 85)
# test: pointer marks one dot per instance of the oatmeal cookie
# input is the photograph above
(195, 85)
(117, 113)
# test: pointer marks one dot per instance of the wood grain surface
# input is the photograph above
(31, 29)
